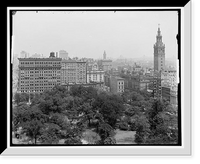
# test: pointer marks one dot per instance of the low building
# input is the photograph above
(137, 82)
(97, 85)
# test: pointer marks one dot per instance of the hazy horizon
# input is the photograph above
(129, 34)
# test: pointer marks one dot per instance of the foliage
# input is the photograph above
(123, 126)
(107, 141)
(50, 134)
(61, 114)
(110, 107)
(142, 129)
(21, 97)
(163, 124)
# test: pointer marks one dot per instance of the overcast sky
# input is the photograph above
(130, 34)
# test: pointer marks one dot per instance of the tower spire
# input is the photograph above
(159, 29)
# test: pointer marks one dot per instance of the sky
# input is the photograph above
(125, 34)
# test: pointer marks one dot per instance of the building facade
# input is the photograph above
(94, 73)
(73, 71)
(169, 82)
(157, 84)
(159, 53)
(38, 74)
(116, 84)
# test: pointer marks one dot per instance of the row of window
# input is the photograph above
(55, 62)
(29, 72)
(39, 69)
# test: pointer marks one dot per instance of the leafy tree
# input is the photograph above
(110, 106)
(88, 113)
(50, 134)
(72, 135)
(163, 123)
(18, 113)
(142, 129)
(21, 97)
(31, 120)
(85, 93)
(106, 133)
(73, 141)
(110, 141)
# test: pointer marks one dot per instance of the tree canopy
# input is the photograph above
(62, 114)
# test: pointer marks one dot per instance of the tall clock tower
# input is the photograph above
(159, 52)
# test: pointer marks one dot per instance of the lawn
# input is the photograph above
(90, 137)
(125, 137)
(122, 137)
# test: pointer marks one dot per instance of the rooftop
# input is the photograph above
(118, 78)
(39, 59)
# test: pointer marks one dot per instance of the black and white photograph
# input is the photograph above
(98, 80)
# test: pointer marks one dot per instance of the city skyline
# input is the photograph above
(126, 34)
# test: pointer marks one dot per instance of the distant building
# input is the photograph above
(138, 69)
(116, 84)
(104, 55)
(63, 54)
(23, 54)
(52, 55)
(105, 64)
(35, 56)
(94, 73)
(73, 71)
(159, 53)
(38, 74)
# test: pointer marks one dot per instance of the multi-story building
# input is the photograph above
(94, 73)
(38, 74)
(157, 84)
(169, 83)
(116, 84)
(169, 93)
(159, 52)
(73, 71)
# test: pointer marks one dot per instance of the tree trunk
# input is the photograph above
(35, 139)
(89, 122)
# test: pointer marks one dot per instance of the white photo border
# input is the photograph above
(184, 150)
